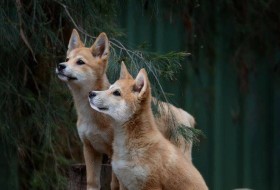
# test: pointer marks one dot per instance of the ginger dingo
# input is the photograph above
(85, 70)
(143, 159)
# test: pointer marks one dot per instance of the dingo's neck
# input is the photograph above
(80, 95)
(141, 124)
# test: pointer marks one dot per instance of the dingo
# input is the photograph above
(143, 159)
(85, 70)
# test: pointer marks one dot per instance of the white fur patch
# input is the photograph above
(98, 139)
(84, 130)
(121, 112)
(133, 175)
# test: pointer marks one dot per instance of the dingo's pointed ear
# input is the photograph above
(100, 48)
(142, 84)
(74, 41)
(124, 72)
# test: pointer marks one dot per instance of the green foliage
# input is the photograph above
(190, 134)
(157, 65)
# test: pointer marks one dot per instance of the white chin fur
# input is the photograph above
(95, 108)
(63, 78)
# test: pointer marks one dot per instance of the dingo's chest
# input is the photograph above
(101, 140)
(127, 164)
(135, 175)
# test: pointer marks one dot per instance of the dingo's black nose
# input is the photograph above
(91, 94)
(61, 66)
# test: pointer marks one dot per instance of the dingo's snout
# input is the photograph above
(61, 67)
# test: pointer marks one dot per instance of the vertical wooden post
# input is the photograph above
(77, 176)
(106, 176)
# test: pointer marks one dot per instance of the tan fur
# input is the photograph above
(96, 129)
(143, 159)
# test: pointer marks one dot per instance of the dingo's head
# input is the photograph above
(126, 97)
(83, 65)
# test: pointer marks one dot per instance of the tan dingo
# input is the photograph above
(85, 70)
(143, 159)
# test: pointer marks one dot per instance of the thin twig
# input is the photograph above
(22, 34)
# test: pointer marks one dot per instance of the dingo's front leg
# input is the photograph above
(93, 160)
(114, 182)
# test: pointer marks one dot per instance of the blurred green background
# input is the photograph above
(230, 83)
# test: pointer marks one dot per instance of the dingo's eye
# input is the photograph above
(67, 59)
(80, 62)
(117, 93)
